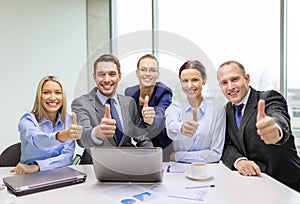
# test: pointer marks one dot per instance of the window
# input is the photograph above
(292, 65)
(129, 19)
(246, 31)
(213, 31)
(241, 31)
(296, 112)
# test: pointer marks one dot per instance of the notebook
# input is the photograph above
(43, 180)
(127, 164)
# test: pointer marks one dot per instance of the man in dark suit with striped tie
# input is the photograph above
(263, 142)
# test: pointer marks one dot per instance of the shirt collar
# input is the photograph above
(245, 99)
(58, 121)
(103, 98)
(202, 109)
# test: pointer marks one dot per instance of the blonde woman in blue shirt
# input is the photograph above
(47, 133)
(196, 126)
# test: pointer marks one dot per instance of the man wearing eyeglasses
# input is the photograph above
(152, 99)
(108, 118)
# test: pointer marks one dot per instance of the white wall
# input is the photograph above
(37, 38)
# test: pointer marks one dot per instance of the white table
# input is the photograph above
(231, 188)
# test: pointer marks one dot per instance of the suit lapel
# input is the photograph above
(248, 114)
(95, 102)
(237, 134)
(250, 108)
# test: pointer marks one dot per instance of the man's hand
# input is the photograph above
(248, 168)
(25, 168)
(189, 128)
(266, 126)
(107, 125)
(148, 112)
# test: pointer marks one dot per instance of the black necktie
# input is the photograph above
(115, 116)
(238, 114)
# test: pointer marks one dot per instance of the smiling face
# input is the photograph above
(147, 72)
(51, 98)
(107, 78)
(233, 82)
(191, 83)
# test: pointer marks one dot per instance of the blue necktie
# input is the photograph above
(238, 114)
(115, 116)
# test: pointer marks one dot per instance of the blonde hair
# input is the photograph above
(38, 110)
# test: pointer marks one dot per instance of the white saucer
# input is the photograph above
(196, 177)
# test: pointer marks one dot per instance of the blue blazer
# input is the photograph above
(160, 100)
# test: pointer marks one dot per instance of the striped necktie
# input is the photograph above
(238, 114)
(114, 114)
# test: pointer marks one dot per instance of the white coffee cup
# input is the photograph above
(198, 169)
(3, 193)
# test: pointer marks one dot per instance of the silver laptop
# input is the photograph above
(127, 164)
(43, 180)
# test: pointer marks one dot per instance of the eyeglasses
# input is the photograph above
(144, 70)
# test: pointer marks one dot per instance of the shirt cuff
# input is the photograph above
(96, 140)
(53, 138)
(43, 165)
(239, 159)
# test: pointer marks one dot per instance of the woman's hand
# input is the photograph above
(73, 133)
(25, 168)
(148, 112)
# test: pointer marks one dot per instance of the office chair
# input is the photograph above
(11, 155)
(76, 160)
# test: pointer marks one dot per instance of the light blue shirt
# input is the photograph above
(207, 144)
(39, 144)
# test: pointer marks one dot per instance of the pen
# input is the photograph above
(168, 168)
(187, 198)
(207, 186)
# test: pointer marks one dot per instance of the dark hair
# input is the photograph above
(234, 62)
(107, 58)
(193, 64)
(147, 56)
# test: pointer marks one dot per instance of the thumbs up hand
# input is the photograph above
(75, 130)
(190, 127)
(74, 118)
(107, 127)
(266, 126)
(107, 111)
(148, 113)
(73, 133)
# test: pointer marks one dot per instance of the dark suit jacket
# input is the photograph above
(160, 100)
(90, 111)
(280, 160)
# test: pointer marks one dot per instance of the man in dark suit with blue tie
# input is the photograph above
(263, 141)
(108, 118)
